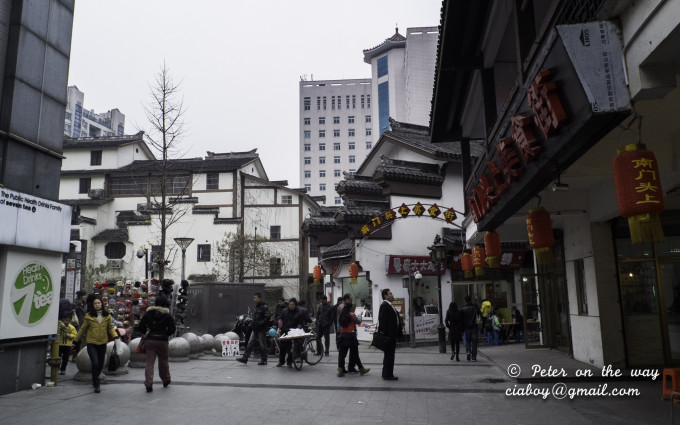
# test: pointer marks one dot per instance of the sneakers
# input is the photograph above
(243, 360)
(148, 389)
(280, 364)
(262, 363)
(341, 372)
(364, 370)
(62, 372)
(166, 383)
(468, 357)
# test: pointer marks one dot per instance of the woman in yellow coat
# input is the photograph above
(98, 327)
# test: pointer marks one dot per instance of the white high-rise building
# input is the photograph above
(79, 122)
(341, 120)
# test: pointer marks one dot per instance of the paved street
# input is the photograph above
(431, 390)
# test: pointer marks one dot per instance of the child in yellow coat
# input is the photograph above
(65, 336)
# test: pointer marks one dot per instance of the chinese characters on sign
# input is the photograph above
(402, 264)
(403, 211)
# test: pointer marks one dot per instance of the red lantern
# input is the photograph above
(317, 275)
(541, 236)
(353, 273)
(466, 261)
(638, 192)
(478, 260)
(492, 246)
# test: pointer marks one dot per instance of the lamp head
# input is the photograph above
(140, 253)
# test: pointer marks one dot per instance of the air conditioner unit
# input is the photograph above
(115, 264)
(95, 193)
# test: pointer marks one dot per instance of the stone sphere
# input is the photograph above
(202, 341)
(179, 350)
(217, 344)
(208, 342)
(136, 359)
(84, 366)
(232, 336)
(123, 352)
(194, 343)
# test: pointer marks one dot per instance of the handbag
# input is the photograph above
(114, 359)
(141, 347)
(380, 341)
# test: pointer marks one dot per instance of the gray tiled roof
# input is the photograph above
(419, 137)
(343, 248)
(407, 174)
(112, 235)
(357, 185)
(101, 142)
(221, 163)
(86, 202)
(321, 224)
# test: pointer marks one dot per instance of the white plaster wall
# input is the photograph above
(255, 196)
(420, 58)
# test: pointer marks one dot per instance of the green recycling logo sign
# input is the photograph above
(31, 294)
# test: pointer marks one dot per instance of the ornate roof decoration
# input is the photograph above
(396, 41)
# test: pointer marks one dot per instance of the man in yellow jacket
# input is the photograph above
(98, 327)
(65, 335)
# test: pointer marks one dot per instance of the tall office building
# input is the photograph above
(341, 120)
(79, 122)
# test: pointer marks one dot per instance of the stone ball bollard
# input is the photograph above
(137, 360)
(123, 353)
(217, 344)
(84, 367)
(194, 343)
(178, 350)
(201, 341)
(208, 342)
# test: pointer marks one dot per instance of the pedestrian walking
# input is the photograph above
(97, 328)
(348, 340)
(323, 324)
(281, 306)
(390, 324)
(79, 308)
(258, 334)
(471, 312)
(65, 336)
(486, 311)
(290, 319)
(158, 325)
(304, 313)
(454, 321)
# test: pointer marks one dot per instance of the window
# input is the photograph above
(322, 160)
(275, 266)
(308, 120)
(336, 160)
(322, 146)
(352, 159)
(96, 158)
(307, 102)
(322, 120)
(368, 118)
(287, 199)
(322, 187)
(322, 173)
(313, 249)
(274, 232)
(368, 101)
(368, 132)
(308, 147)
(354, 101)
(85, 183)
(369, 145)
(203, 253)
(338, 201)
(336, 120)
(362, 101)
(336, 133)
(318, 103)
(382, 66)
(350, 132)
(332, 102)
(308, 134)
(336, 146)
(308, 187)
(336, 173)
(308, 174)
(324, 103)
(352, 171)
(350, 119)
(347, 97)
(308, 160)
(352, 146)
(322, 133)
(212, 181)
(384, 106)
(114, 250)
(580, 278)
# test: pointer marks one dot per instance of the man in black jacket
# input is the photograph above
(260, 326)
(281, 306)
(323, 324)
(470, 312)
(390, 324)
(290, 319)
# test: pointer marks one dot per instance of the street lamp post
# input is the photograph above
(438, 256)
(183, 243)
(144, 253)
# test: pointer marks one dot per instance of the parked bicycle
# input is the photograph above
(303, 349)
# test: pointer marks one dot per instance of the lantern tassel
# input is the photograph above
(494, 262)
(316, 281)
(544, 256)
(353, 281)
(645, 228)
(479, 271)
(469, 274)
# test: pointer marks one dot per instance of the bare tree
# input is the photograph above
(165, 113)
(240, 257)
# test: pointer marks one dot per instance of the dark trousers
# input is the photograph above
(326, 334)
(285, 348)
(388, 359)
(156, 348)
(349, 342)
(64, 353)
(455, 348)
(97, 353)
(471, 335)
(261, 338)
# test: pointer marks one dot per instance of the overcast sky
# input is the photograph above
(239, 62)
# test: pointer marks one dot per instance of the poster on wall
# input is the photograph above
(30, 294)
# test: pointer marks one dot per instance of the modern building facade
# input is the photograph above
(80, 122)
(341, 120)
(35, 48)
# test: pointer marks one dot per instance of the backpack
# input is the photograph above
(495, 323)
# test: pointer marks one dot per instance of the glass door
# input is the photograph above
(534, 328)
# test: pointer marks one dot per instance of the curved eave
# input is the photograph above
(386, 46)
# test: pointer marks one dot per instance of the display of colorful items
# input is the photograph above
(126, 302)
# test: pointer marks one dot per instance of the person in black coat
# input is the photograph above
(323, 324)
(261, 318)
(158, 325)
(470, 314)
(454, 321)
(390, 324)
(291, 318)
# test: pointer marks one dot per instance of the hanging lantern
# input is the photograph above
(317, 275)
(492, 246)
(466, 261)
(353, 273)
(478, 260)
(541, 236)
(638, 192)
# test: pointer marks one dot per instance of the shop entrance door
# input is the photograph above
(546, 316)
